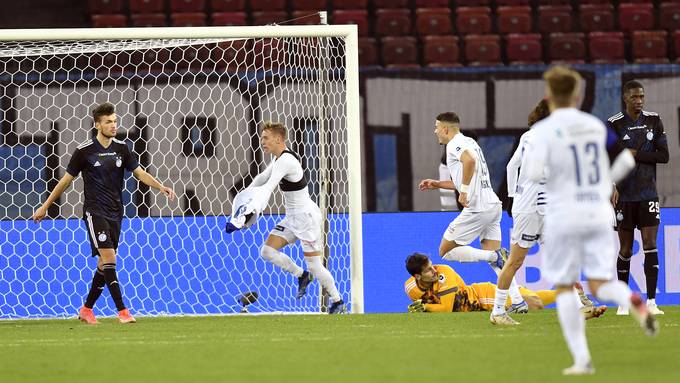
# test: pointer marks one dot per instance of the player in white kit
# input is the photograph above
(568, 149)
(481, 214)
(303, 220)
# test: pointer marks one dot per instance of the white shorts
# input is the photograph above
(566, 255)
(468, 226)
(527, 229)
(305, 226)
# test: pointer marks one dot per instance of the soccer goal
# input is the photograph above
(189, 102)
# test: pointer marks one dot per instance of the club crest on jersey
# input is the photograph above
(650, 136)
(619, 216)
(119, 162)
(442, 278)
(101, 237)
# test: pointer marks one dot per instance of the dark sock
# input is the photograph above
(651, 272)
(623, 268)
(113, 285)
(96, 289)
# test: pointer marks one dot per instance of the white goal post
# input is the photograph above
(189, 102)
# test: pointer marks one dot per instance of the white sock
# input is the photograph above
(573, 327)
(324, 276)
(615, 291)
(280, 259)
(651, 302)
(515, 295)
(470, 254)
(499, 302)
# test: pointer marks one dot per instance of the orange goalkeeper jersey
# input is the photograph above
(449, 293)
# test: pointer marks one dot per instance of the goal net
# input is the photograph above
(189, 109)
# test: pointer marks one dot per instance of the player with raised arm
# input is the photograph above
(302, 221)
(481, 214)
(568, 150)
(103, 161)
(636, 198)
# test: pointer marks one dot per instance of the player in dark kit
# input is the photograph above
(635, 198)
(103, 161)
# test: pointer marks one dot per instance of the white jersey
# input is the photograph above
(572, 146)
(481, 196)
(286, 168)
(528, 196)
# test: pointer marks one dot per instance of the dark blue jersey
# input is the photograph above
(103, 170)
(647, 136)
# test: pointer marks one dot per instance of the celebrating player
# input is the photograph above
(303, 219)
(568, 149)
(103, 161)
(636, 199)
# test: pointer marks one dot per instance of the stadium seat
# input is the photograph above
(266, 18)
(522, 49)
(554, 18)
(513, 19)
(267, 54)
(396, 4)
(314, 5)
(441, 51)
(393, 22)
(512, 2)
(306, 17)
(267, 5)
(596, 1)
(636, 16)
(483, 50)
(109, 21)
(399, 51)
(432, 3)
(669, 15)
(473, 20)
(567, 48)
(350, 4)
(368, 51)
(596, 17)
(187, 6)
(149, 20)
(676, 45)
(104, 7)
(228, 5)
(554, 2)
(472, 3)
(606, 47)
(191, 19)
(147, 6)
(650, 46)
(358, 17)
(433, 21)
(229, 18)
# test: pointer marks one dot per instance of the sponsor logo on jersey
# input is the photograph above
(279, 228)
(637, 127)
(458, 148)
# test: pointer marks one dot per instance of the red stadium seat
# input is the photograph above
(105, 7)
(483, 50)
(266, 18)
(186, 6)
(636, 16)
(229, 18)
(524, 49)
(441, 51)
(515, 19)
(306, 17)
(676, 45)
(606, 47)
(554, 18)
(109, 21)
(650, 46)
(512, 2)
(567, 47)
(358, 17)
(149, 20)
(314, 5)
(396, 4)
(147, 6)
(267, 5)
(368, 51)
(596, 17)
(228, 5)
(473, 20)
(669, 15)
(432, 3)
(393, 22)
(596, 1)
(554, 2)
(433, 21)
(399, 51)
(191, 19)
(350, 4)
(472, 3)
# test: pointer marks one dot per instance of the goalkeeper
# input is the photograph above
(438, 288)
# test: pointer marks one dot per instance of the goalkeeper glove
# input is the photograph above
(416, 307)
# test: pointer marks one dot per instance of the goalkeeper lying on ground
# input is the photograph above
(438, 288)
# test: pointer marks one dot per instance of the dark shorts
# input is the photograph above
(637, 214)
(103, 233)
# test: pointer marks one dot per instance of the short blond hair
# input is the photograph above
(275, 127)
(563, 83)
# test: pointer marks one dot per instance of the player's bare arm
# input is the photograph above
(151, 181)
(63, 184)
(430, 184)
(469, 164)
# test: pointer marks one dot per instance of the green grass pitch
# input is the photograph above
(411, 348)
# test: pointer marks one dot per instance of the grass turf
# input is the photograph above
(347, 348)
